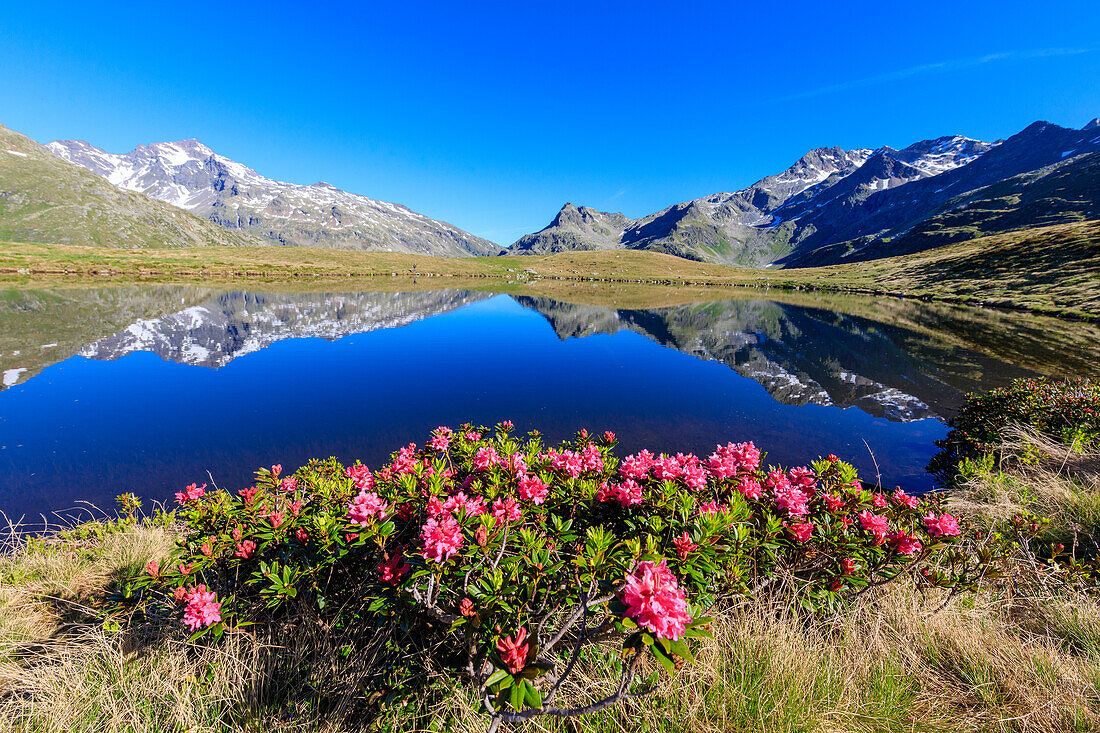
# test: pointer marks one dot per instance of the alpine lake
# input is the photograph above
(145, 389)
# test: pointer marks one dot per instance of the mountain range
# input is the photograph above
(836, 205)
(191, 176)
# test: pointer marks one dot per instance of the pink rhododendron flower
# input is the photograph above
(944, 525)
(847, 566)
(905, 500)
(875, 524)
(153, 568)
(190, 493)
(626, 493)
(507, 510)
(180, 594)
(276, 519)
(804, 479)
(295, 508)
(365, 506)
(392, 570)
(466, 608)
(533, 489)
(474, 507)
(750, 488)
(637, 466)
(513, 652)
(507, 424)
(517, 462)
(833, 503)
(693, 475)
(245, 548)
(684, 545)
(207, 548)
(568, 462)
(440, 443)
(486, 458)
(591, 458)
(360, 476)
(289, 484)
(878, 501)
(276, 470)
(905, 543)
(711, 507)
(202, 608)
(654, 600)
(405, 462)
(473, 436)
(665, 468)
(800, 531)
(608, 436)
(301, 535)
(791, 499)
(248, 495)
(442, 538)
(435, 507)
(733, 458)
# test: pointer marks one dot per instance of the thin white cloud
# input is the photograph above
(940, 66)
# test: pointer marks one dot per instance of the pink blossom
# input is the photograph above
(533, 489)
(244, 550)
(875, 524)
(711, 507)
(507, 425)
(442, 538)
(733, 458)
(190, 493)
(693, 475)
(153, 568)
(626, 493)
(568, 462)
(249, 494)
(905, 543)
(800, 531)
(944, 525)
(360, 476)
(655, 601)
(392, 570)
(591, 458)
(847, 566)
(750, 488)
(466, 608)
(202, 608)
(276, 519)
(804, 479)
(514, 652)
(435, 507)
(276, 470)
(684, 545)
(833, 503)
(878, 501)
(637, 466)
(791, 499)
(507, 510)
(180, 594)
(295, 508)
(486, 458)
(473, 507)
(406, 461)
(666, 468)
(301, 534)
(517, 464)
(608, 436)
(290, 483)
(366, 505)
(473, 436)
(439, 443)
(905, 500)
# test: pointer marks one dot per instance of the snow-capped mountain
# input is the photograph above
(837, 205)
(190, 175)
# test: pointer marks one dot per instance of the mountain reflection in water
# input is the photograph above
(72, 428)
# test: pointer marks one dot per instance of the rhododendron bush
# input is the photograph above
(517, 557)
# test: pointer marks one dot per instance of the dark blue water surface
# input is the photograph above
(149, 392)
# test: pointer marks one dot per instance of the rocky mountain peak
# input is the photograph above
(1092, 124)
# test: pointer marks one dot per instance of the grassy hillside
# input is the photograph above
(46, 199)
(1053, 270)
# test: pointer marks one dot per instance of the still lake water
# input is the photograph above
(146, 389)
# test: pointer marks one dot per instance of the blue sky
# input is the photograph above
(492, 115)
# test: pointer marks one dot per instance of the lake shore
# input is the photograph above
(1052, 271)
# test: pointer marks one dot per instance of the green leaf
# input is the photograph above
(516, 697)
(534, 697)
(664, 659)
(496, 677)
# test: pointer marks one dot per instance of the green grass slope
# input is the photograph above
(46, 199)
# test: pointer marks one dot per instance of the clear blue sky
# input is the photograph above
(492, 115)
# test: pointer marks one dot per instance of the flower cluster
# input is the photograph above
(480, 531)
